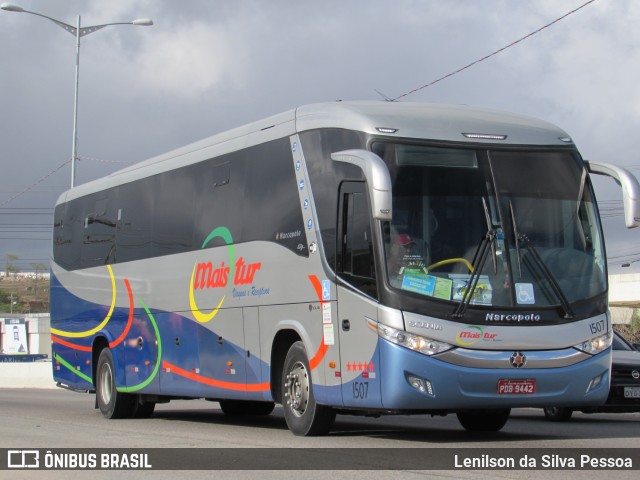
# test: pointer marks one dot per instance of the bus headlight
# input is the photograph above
(596, 344)
(426, 346)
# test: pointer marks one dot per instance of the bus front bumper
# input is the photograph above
(413, 381)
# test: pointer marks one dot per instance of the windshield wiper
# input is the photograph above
(514, 228)
(526, 241)
(478, 262)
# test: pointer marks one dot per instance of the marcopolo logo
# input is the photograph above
(206, 275)
(288, 235)
(513, 317)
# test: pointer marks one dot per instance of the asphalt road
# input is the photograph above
(54, 419)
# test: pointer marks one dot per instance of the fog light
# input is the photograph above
(421, 384)
(595, 381)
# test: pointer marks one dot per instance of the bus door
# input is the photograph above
(357, 305)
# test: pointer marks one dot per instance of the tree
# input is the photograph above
(8, 302)
(635, 322)
(10, 267)
(38, 268)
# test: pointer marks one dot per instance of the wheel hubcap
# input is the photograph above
(297, 389)
(106, 381)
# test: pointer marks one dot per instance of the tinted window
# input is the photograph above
(136, 216)
(325, 177)
(99, 235)
(355, 251)
(69, 226)
(271, 206)
(252, 192)
(175, 194)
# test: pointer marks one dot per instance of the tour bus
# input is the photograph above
(359, 258)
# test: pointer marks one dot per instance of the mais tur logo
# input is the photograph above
(206, 275)
(473, 334)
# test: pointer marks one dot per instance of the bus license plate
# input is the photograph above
(631, 392)
(516, 387)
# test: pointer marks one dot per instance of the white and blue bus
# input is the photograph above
(342, 258)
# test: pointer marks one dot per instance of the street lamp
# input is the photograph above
(77, 32)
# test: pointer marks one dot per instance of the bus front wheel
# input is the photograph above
(111, 403)
(483, 420)
(303, 415)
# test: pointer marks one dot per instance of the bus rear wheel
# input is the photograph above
(483, 420)
(303, 415)
(111, 403)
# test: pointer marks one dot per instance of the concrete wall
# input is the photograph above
(30, 374)
(624, 288)
(621, 315)
(26, 375)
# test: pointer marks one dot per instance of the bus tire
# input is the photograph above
(238, 408)
(303, 415)
(483, 420)
(111, 403)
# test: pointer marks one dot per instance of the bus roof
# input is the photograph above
(407, 120)
(430, 121)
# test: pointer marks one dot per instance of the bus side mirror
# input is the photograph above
(378, 179)
(630, 189)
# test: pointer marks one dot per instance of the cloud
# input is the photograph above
(207, 66)
(189, 61)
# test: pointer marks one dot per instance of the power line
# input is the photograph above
(35, 184)
(38, 182)
(492, 54)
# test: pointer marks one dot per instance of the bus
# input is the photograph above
(358, 258)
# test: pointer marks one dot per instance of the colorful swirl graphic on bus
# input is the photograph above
(116, 342)
(102, 324)
(205, 276)
(144, 383)
(314, 362)
(211, 276)
(132, 388)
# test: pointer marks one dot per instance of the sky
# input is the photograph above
(206, 66)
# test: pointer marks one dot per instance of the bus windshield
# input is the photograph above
(506, 228)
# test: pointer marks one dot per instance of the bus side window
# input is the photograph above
(356, 259)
